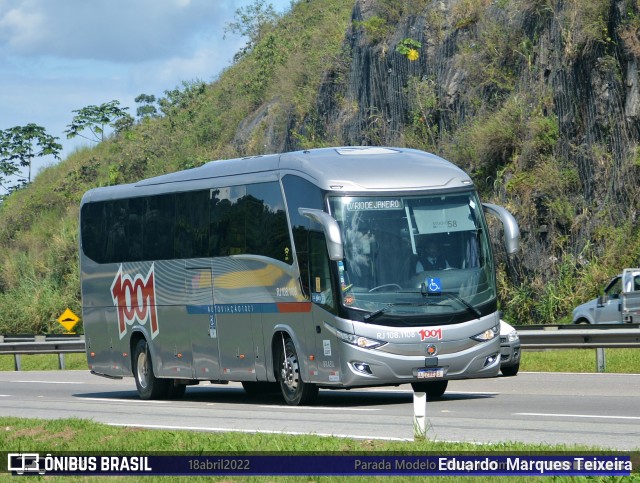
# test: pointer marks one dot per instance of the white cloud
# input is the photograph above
(19, 27)
(111, 30)
(59, 56)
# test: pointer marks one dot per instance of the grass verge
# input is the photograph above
(77, 435)
(580, 360)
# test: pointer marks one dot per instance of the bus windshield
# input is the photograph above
(421, 255)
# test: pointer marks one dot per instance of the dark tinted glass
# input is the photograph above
(191, 231)
(159, 222)
(93, 230)
(301, 193)
(267, 229)
(209, 223)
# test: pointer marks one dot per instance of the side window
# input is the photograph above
(157, 238)
(227, 227)
(250, 220)
(300, 193)
(93, 231)
(613, 290)
(221, 222)
(267, 229)
(321, 287)
(124, 232)
(191, 231)
(112, 230)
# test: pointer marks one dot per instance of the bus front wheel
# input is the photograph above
(149, 386)
(434, 389)
(295, 391)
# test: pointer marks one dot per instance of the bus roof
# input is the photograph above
(348, 169)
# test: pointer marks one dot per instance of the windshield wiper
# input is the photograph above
(378, 312)
(388, 306)
(462, 301)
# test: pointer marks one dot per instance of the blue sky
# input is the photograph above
(57, 56)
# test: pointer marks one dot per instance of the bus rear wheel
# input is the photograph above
(149, 386)
(295, 391)
(434, 389)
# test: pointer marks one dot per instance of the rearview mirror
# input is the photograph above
(510, 225)
(331, 231)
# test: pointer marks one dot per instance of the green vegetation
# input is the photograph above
(624, 361)
(18, 146)
(500, 88)
(95, 119)
(45, 362)
(409, 48)
(279, 74)
(76, 435)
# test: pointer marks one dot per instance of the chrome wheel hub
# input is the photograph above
(143, 370)
(290, 371)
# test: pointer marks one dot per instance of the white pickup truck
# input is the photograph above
(620, 302)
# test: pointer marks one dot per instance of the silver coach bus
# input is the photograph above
(327, 268)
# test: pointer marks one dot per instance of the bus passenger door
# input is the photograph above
(326, 365)
(202, 323)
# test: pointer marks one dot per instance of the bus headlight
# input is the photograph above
(358, 340)
(488, 334)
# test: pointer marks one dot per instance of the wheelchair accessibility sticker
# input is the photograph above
(433, 285)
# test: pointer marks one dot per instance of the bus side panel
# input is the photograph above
(237, 358)
(259, 347)
(173, 344)
(252, 293)
(172, 341)
(100, 322)
(202, 319)
(294, 319)
(99, 353)
(327, 350)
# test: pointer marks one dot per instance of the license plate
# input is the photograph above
(430, 373)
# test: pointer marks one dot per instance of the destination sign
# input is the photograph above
(374, 204)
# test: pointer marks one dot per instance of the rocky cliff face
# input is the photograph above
(539, 99)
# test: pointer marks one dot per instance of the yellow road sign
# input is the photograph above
(68, 320)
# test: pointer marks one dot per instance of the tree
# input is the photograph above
(96, 119)
(180, 99)
(250, 22)
(146, 108)
(19, 145)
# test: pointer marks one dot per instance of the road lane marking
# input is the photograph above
(253, 431)
(106, 399)
(48, 382)
(322, 408)
(411, 391)
(593, 416)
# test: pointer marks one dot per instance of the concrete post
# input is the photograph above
(419, 416)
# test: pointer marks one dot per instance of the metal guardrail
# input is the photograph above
(570, 336)
(60, 344)
(532, 337)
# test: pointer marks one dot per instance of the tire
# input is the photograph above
(149, 386)
(254, 388)
(510, 371)
(434, 389)
(582, 322)
(294, 390)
